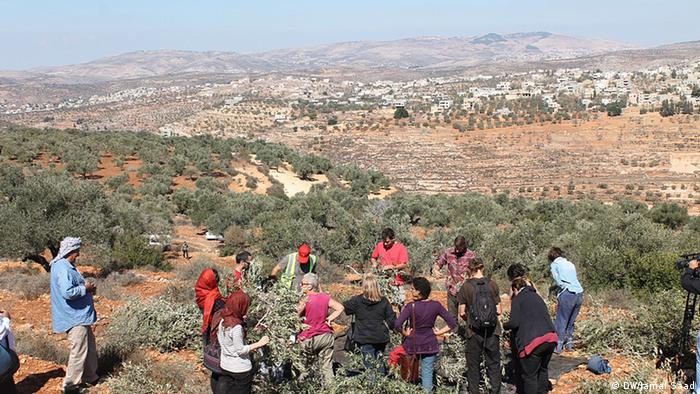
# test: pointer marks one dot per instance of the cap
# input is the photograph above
(304, 252)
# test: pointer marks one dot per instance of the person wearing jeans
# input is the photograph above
(568, 307)
(569, 299)
(417, 324)
(427, 367)
(373, 317)
(73, 312)
(373, 357)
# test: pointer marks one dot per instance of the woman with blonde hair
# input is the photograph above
(373, 318)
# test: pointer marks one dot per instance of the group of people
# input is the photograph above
(472, 299)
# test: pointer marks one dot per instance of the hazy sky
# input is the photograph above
(41, 33)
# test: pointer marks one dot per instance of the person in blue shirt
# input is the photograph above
(569, 297)
(73, 312)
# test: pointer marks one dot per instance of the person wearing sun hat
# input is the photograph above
(292, 267)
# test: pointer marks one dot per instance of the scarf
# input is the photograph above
(206, 292)
(236, 308)
(68, 245)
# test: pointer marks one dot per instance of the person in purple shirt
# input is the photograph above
(422, 341)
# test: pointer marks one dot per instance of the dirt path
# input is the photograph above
(199, 247)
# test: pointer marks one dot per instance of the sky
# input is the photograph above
(37, 33)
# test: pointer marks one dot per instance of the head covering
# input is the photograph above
(304, 252)
(236, 308)
(68, 245)
(206, 292)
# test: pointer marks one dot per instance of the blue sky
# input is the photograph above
(45, 33)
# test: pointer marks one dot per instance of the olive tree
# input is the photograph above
(39, 210)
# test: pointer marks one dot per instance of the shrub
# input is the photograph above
(653, 272)
(148, 377)
(251, 183)
(179, 293)
(26, 283)
(670, 214)
(156, 322)
(190, 272)
(133, 251)
(136, 379)
(236, 238)
(36, 344)
(111, 287)
(649, 328)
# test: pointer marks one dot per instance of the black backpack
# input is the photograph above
(482, 312)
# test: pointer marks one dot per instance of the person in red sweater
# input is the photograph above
(390, 255)
(236, 281)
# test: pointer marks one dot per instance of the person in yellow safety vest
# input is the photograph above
(292, 267)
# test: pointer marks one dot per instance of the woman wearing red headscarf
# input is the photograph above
(211, 303)
(235, 354)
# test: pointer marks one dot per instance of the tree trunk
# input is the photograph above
(54, 250)
(39, 259)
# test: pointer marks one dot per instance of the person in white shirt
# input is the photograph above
(235, 353)
(7, 340)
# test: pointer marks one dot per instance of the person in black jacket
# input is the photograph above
(373, 317)
(514, 272)
(535, 339)
(690, 280)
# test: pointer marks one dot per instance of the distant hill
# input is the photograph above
(634, 59)
(412, 53)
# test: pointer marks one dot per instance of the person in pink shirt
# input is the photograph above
(390, 255)
(317, 338)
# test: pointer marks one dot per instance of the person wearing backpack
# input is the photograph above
(7, 341)
(373, 316)
(480, 306)
(535, 336)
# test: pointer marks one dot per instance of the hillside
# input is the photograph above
(632, 59)
(420, 52)
(116, 189)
